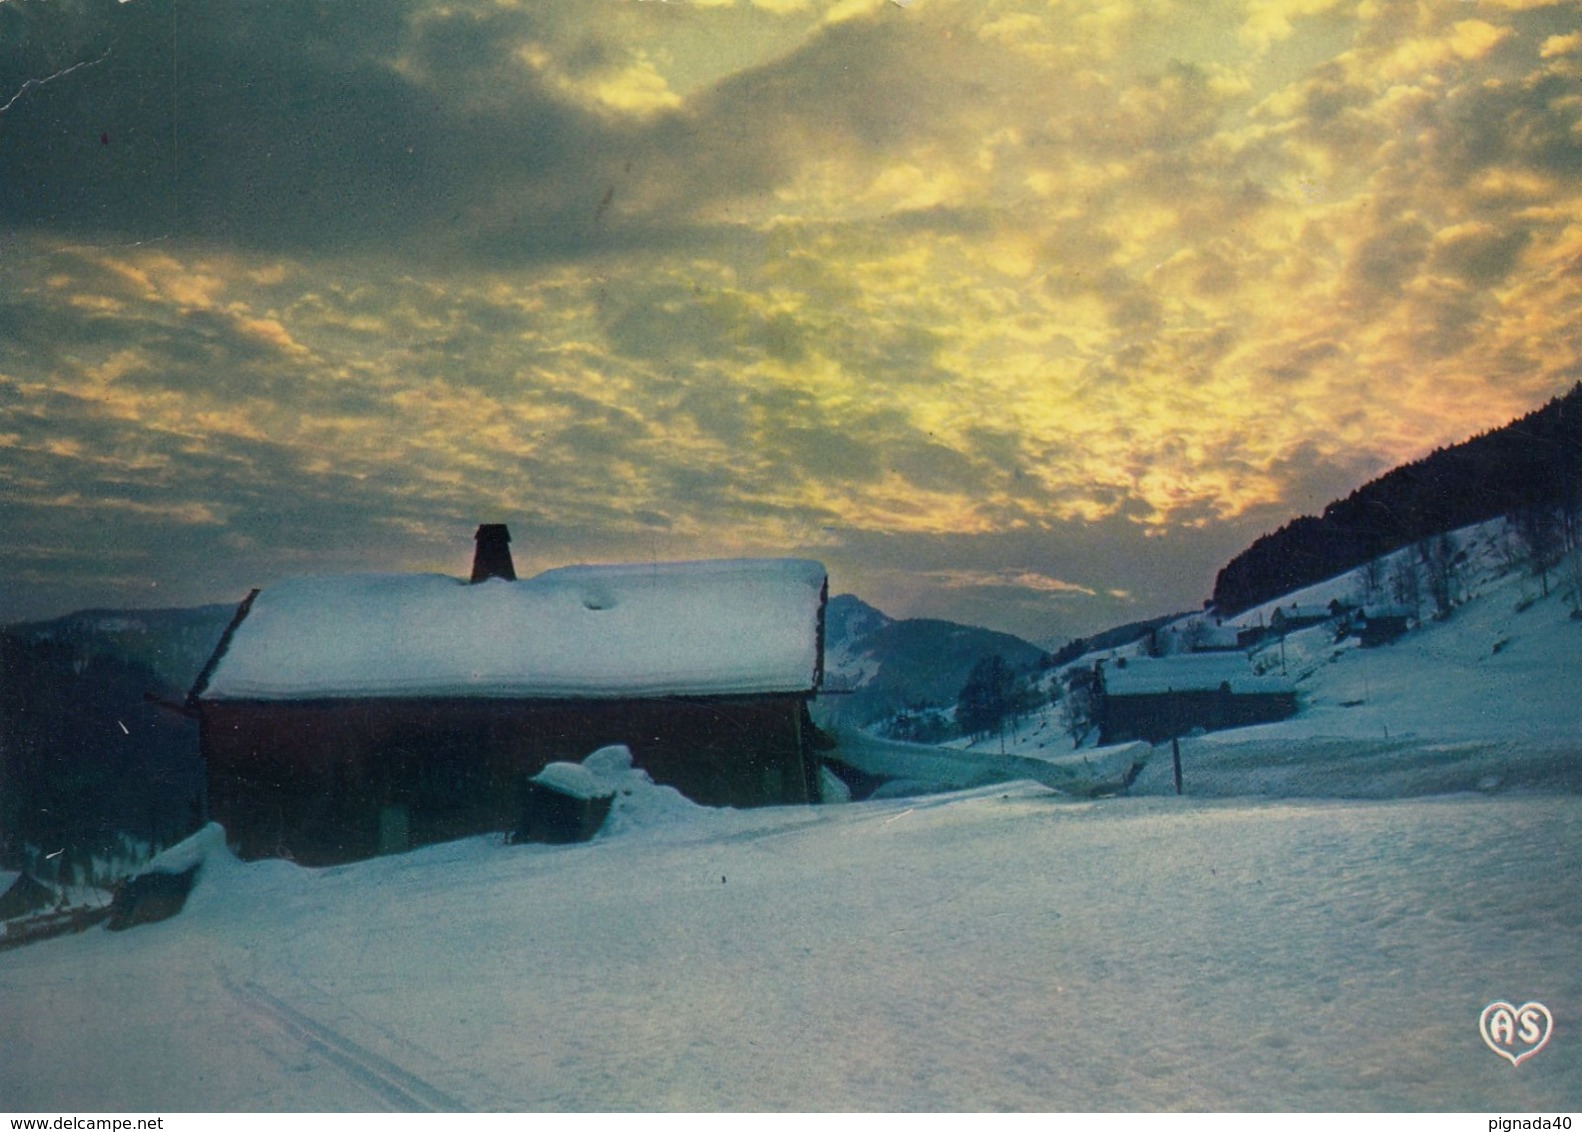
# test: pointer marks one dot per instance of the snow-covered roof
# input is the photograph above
(1374, 612)
(1214, 637)
(726, 627)
(1198, 672)
(1295, 612)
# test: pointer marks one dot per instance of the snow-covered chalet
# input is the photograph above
(341, 717)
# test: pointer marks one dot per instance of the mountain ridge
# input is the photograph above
(1534, 461)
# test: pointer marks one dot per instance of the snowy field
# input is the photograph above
(1317, 924)
(996, 949)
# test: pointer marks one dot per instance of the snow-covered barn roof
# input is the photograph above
(1199, 672)
(726, 627)
(1294, 612)
(1214, 637)
(1374, 612)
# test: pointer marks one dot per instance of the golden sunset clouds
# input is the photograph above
(1016, 298)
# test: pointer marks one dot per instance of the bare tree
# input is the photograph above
(1406, 583)
(1541, 532)
(1370, 580)
(1571, 568)
(1441, 560)
(1507, 545)
(1569, 516)
(1082, 702)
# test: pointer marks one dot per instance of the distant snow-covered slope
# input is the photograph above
(875, 665)
(1488, 698)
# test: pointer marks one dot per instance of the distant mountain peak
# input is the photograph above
(849, 616)
(876, 665)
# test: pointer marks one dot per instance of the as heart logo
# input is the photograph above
(1515, 1032)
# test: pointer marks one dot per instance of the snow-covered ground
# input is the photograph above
(1317, 924)
(999, 948)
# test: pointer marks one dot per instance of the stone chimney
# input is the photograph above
(492, 556)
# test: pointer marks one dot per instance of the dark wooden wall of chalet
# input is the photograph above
(309, 780)
(1158, 717)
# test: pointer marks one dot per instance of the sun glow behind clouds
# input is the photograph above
(729, 277)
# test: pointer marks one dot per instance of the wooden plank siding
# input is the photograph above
(337, 780)
(1155, 717)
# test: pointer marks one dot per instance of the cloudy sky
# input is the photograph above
(1029, 313)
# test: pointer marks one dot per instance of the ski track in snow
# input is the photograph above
(396, 1088)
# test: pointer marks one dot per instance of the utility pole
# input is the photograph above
(1175, 736)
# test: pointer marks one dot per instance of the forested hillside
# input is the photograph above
(85, 759)
(1530, 470)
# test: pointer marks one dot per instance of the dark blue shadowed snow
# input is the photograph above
(997, 948)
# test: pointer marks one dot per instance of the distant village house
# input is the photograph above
(1378, 625)
(1158, 699)
(1290, 618)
